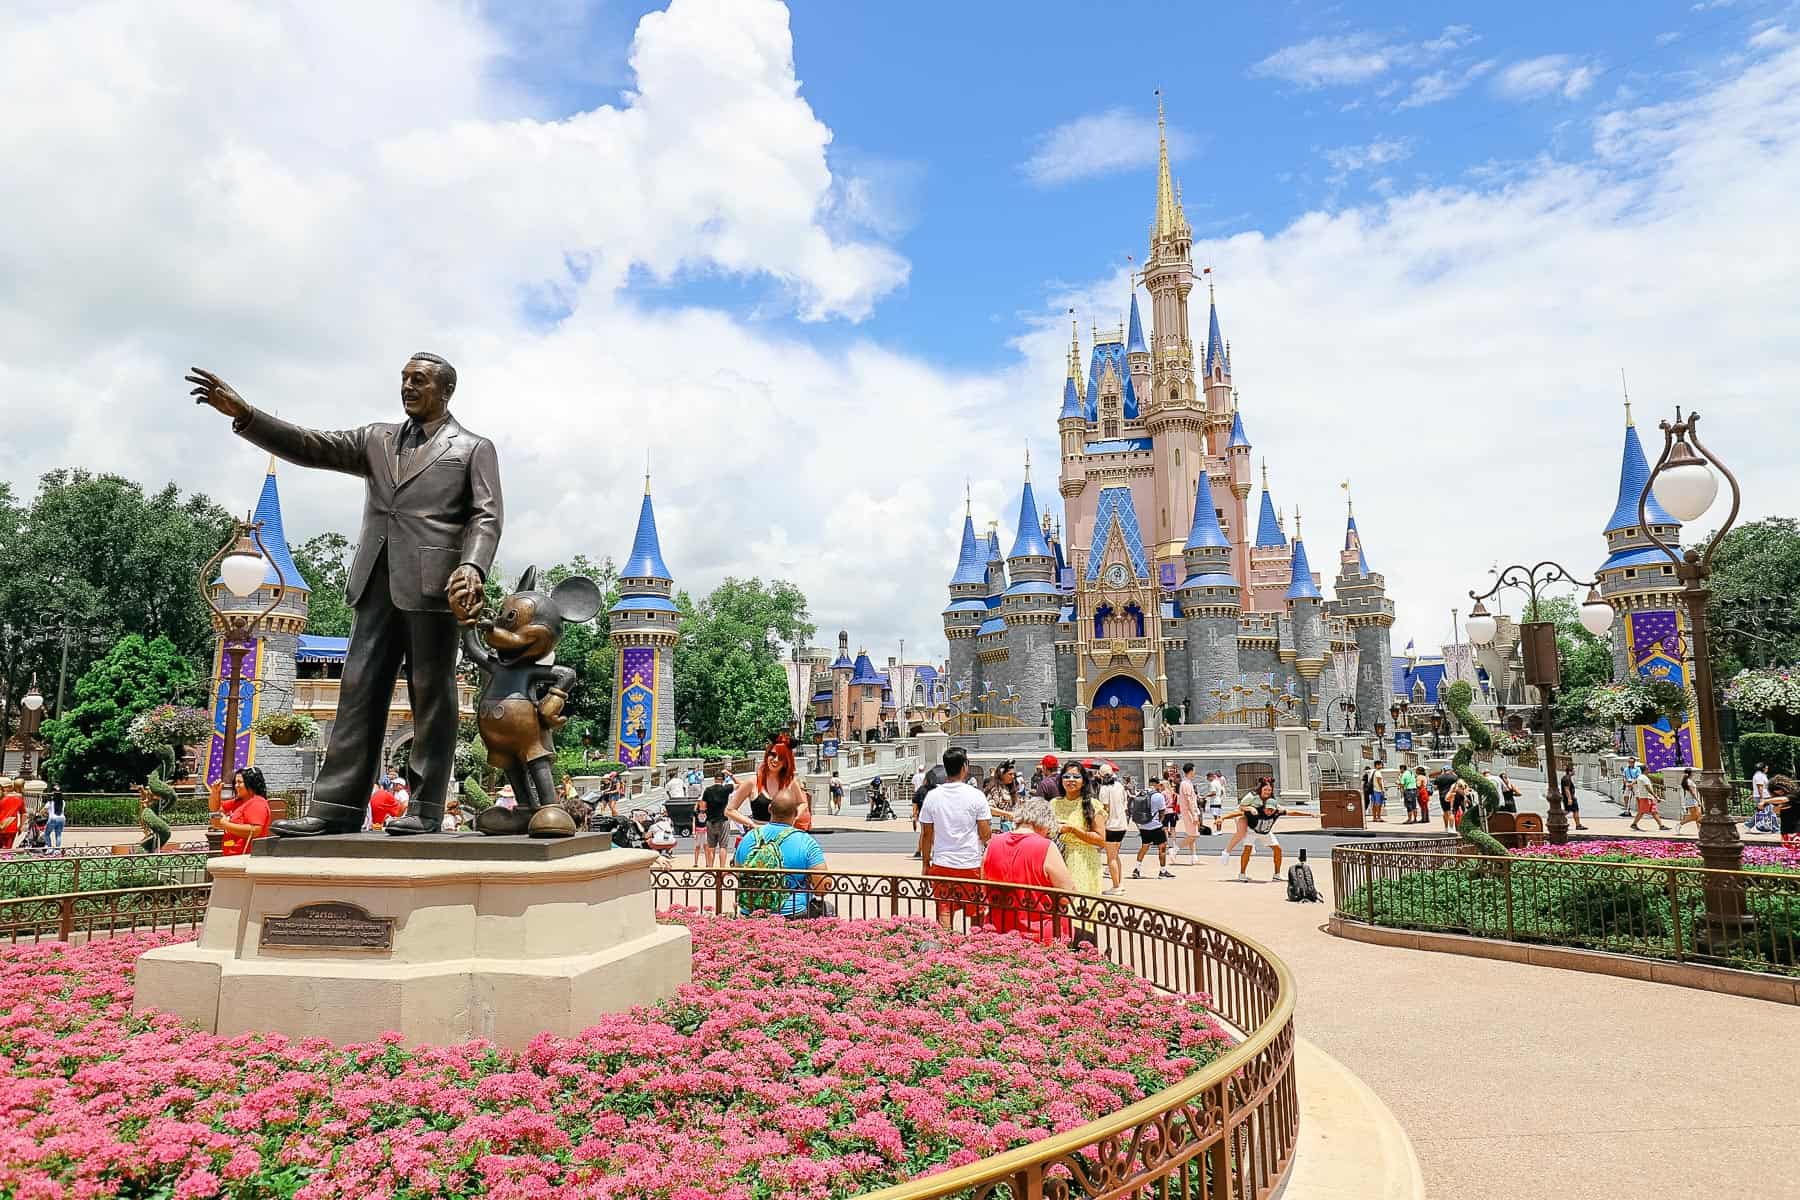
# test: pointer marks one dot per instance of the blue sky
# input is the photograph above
(1276, 110)
(815, 262)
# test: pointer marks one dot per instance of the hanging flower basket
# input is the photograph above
(1770, 692)
(1627, 703)
(286, 728)
(168, 727)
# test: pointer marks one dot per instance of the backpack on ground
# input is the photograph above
(764, 859)
(1140, 809)
(1301, 888)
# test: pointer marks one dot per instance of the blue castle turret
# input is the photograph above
(968, 608)
(1638, 579)
(644, 627)
(1030, 608)
(1211, 601)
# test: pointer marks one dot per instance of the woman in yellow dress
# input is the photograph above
(1082, 836)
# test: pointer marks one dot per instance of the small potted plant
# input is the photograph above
(286, 728)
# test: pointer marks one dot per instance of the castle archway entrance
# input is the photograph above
(1115, 722)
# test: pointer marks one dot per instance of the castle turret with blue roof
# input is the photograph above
(268, 672)
(1211, 603)
(1306, 612)
(1366, 617)
(644, 627)
(1650, 636)
(968, 608)
(1030, 607)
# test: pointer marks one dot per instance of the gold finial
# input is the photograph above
(1234, 401)
(1296, 522)
(968, 499)
(1027, 462)
(1265, 469)
(646, 470)
(1627, 391)
(1349, 504)
(271, 469)
(1166, 220)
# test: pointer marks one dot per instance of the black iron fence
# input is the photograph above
(1747, 919)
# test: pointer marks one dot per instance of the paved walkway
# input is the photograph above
(1515, 1080)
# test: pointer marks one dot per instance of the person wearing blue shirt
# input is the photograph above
(799, 851)
(1631, 773)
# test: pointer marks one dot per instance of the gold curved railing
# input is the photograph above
(1226, 1132)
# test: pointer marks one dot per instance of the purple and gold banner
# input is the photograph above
(635, 735)
(1658, 643)
(249, 688)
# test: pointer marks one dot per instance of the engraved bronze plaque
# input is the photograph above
(328, 925)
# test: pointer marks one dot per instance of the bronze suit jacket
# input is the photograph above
(442, 510)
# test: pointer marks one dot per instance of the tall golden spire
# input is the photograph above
(1622, 388)
(1167, 215)
(1075, 354)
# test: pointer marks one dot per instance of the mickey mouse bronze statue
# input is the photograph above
(522, 702)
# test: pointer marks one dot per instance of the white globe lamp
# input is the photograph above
(1596, 614)
(1481, 625)
(244, 568)
(1686, 486)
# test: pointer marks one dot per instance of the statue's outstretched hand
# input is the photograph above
(210, 389)
(466, 594)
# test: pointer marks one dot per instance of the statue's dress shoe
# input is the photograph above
(551, 821)
(502, 822)
(407, 825)
(312, 826)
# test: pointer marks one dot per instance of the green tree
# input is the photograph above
(88, 744)
(1586, 660)
(98, 555)
(1754, 615)
(730, 687)
(325, 562)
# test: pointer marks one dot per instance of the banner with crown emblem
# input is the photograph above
(635, 734)
(249, 688)
(1658, 645)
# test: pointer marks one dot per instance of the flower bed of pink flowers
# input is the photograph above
(807, 1060)
(1661, 850)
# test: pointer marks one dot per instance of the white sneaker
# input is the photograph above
(1243, 878)
(1118, 891)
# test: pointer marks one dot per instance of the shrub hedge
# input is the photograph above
(1622, 911)
(123, 810)
(1780, 750)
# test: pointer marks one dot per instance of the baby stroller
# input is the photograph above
(36, 831)
(879, 808)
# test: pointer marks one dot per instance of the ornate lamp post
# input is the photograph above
(243, 563)
(33, 703)
(1686, 487)
(1541, 666)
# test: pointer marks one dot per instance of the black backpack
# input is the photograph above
(1139, 811)
(1301, 888)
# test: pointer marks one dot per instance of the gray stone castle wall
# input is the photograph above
(962, 665)
(1031, 668)
(1065, 681)
(1212, 661)
(1258, 662)
(1175, 664)
(1374, 674)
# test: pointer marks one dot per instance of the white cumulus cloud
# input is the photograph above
(1097, 144)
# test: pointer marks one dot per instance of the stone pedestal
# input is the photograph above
(1294, 758)
(443, 939)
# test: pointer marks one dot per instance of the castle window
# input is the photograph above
(1178, 456)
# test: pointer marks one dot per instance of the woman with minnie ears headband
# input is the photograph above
(776, 774)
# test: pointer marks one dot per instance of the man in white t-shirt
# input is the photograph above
(955, 823)
(1759, 782)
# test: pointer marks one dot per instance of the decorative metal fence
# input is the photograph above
(1744, 919)
(77, 916)
(97, 869)
(1224, 1133)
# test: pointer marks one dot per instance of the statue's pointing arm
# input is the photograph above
(330, 450)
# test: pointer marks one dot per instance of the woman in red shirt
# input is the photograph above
(12, 813)
(245, 817)
(1026, 856)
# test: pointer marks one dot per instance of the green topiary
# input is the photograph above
(1457, 698)
(473, 798)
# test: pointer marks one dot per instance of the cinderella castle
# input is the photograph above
(1160, 602)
